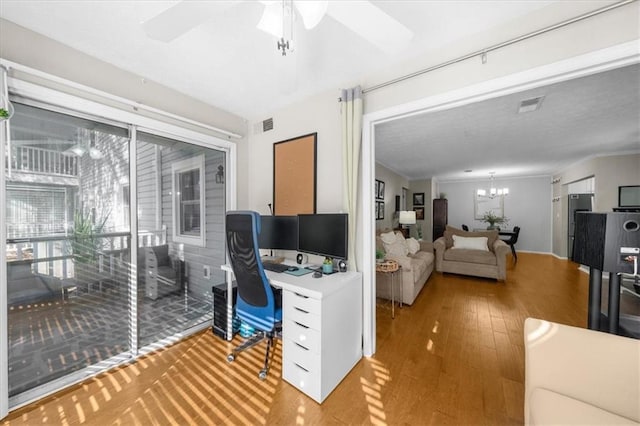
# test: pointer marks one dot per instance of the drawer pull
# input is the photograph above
(299, 345)
(301, 310)
(301, 295)
(300, 367)
(301, 325)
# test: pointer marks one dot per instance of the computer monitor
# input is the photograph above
(278, 232)
(323, 234)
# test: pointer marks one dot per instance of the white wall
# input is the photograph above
(319, 114)
(528, 206)
(25, 47)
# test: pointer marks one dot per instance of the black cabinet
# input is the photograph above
(440, 217)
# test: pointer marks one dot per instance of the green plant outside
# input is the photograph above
(4, 113)
(85, 242)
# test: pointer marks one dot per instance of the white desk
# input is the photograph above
(321, 328)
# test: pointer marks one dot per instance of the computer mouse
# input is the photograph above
(317, 274)
(292, 268)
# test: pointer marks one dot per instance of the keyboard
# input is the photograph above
(275, 267)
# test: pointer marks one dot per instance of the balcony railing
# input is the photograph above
(53, 255)
(31, 159)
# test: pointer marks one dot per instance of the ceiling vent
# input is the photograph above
(529, 105)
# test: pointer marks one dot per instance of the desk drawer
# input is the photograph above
(302, 317)
(301, 334)
(303, 303)
(301, 355)
(308, 382)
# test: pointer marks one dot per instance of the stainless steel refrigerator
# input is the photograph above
(577, 203)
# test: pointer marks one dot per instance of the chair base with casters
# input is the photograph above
(257, 338)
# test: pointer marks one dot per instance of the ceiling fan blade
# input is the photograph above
(371, 23)
(311, 11)
(183, 17)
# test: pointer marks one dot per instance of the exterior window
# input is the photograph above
(188, 194)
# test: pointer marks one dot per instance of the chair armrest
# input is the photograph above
(426, 246)
(439, 246)
(501, 249)
(599, 369)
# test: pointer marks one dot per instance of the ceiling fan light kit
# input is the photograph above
(361, 17)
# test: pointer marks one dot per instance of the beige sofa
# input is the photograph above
(416, 269)
(491, 263)
(577, 376)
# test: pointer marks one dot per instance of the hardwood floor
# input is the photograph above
(456, 356)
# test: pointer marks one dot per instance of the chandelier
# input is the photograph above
(493, 191)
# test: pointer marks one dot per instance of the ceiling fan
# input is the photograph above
(362, 17)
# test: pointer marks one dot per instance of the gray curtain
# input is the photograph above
(351, 114)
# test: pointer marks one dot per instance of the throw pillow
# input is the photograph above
(388, 237)
(492, 236)
(413, 245)
(396, 248)
(471, 243)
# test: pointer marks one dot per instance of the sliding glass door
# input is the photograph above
(181, 206)
(67, 245)
(114, 240)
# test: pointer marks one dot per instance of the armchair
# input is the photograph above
(258, 304)
(490, 263)
(164, 273)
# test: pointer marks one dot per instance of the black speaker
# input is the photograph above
(342, 265)
(607, 241)
(301, 258)
(219, 326)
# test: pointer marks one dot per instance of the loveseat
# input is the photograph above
(578, 376)
(417, 265)
(481, 254)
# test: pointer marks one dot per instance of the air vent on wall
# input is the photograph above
(529, 105)
(267, 125)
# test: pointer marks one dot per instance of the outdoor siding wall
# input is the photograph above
(147, 187)
(213, 255)
(101, 181)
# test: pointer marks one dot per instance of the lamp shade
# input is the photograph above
(407, 217)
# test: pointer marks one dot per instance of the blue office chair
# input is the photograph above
(258, 304)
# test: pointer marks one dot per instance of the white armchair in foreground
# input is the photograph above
(580, 377)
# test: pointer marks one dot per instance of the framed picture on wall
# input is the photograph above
(419, 213)
(379, 189)
(379, 210)
(418, 198)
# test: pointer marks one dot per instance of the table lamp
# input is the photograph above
(407, 218)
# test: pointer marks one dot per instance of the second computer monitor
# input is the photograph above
(278, 232)
(323, 234)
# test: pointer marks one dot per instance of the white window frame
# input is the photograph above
(194, 163)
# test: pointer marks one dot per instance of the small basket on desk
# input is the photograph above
(387, 266)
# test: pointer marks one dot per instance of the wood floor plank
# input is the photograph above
(456, 356)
